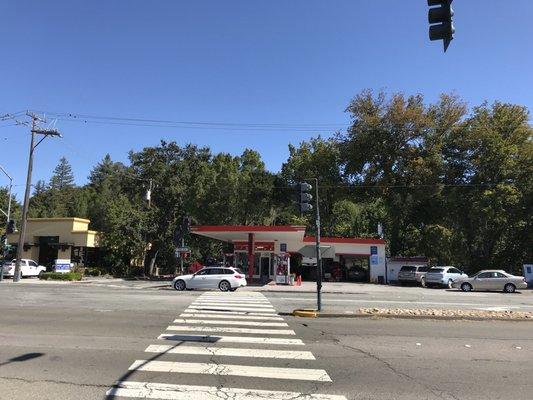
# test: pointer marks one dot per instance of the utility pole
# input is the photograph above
(35, 130)
(318, 255)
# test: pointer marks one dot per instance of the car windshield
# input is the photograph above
(238, 270)
(435, 270)
(408, 269)
(423, 269)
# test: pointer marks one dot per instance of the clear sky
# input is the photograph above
(245, 62)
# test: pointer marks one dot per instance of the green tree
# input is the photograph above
(62, 177)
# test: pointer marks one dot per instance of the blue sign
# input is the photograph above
(374, 260)
(373, 249)
(283, 247)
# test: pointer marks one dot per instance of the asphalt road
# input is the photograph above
(75, 341)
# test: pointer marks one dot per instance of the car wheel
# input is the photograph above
(509, 288)
(450, 284)
(466, 287)
(180, 285)
(224, 286)
(40, 274)
(423, 282)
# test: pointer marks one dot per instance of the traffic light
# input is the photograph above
(181, 230)
(304, 197)
(10, 226)
(440, 17)
(186, 225)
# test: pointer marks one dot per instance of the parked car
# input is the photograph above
(492, 280)
(443, 276)
(413, 274)
(27, 268)
(223, 278)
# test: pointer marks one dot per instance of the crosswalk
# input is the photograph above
(226, 346)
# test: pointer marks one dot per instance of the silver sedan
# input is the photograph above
(491, 280)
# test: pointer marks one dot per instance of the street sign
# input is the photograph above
(373, 250)
(184, 249)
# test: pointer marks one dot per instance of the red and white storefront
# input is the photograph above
(260, 250)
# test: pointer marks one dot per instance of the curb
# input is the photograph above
(317, 314)
(306, 313)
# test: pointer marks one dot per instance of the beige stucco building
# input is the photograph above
(48, 239)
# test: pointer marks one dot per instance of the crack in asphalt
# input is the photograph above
(435, 391)
(77, 384)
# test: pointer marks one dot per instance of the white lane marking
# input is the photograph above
(216, 329)
(231, 308)
(300, 374)
(231, 316)
(230, 339)
(228, 322)
(166, 391)
(222, 312)
(230, 352)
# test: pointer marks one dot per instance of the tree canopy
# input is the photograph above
(447, 181)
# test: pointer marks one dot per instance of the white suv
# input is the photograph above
(223, 278)
(444, 276)
(27, 268)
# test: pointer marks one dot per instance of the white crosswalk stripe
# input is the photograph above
(162, 391)
(232, 304)
(217, 329)
(197, 344)
(230, 339)
(231, 352)
(228, 312)
(230, 308)
(231, 316)
(231, 322)
(301, 374)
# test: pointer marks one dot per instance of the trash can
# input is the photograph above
(381, 280)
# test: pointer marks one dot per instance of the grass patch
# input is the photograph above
(57, 276)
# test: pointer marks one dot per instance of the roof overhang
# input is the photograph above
(262, 233)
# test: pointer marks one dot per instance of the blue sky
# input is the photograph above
(246, 62)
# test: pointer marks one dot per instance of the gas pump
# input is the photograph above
(283, 269)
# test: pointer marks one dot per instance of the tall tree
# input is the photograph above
(62, 177)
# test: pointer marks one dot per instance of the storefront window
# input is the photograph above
(356, 268)
(241, 261)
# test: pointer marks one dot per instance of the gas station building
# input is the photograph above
(260, 250)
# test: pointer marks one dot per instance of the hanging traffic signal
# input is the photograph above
(10, 226)
(304, 197)
(440, 17)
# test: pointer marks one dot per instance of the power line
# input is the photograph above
(286, 125)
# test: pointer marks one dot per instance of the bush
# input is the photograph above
(92, 272)
(58, 276)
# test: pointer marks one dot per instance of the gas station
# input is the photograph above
(274, 252)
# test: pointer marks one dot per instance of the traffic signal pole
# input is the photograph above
(318, 255)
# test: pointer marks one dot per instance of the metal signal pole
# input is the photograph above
(318, 255)
(35, 130)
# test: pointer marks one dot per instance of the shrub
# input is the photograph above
(57, 276)
(92, 272)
